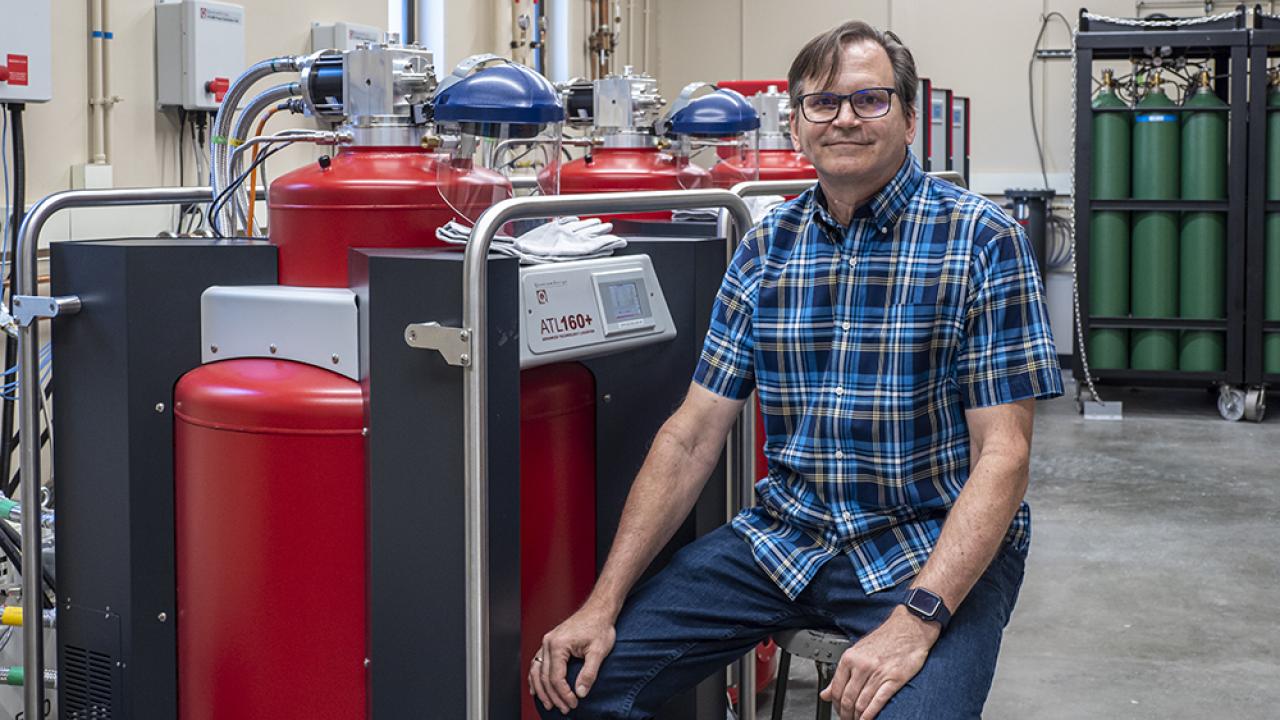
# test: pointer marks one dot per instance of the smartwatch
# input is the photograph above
(927, 606)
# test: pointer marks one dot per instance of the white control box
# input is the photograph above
(199, 52)
(342, 36)
(26, 39)
(585, 308)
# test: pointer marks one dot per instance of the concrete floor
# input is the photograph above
(1153, 586)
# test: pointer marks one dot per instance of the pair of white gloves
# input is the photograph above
(760, 205)
(562, 239)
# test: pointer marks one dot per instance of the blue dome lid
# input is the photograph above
(723, 112)
(509, 94)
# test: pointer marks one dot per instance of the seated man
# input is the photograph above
(894, 328)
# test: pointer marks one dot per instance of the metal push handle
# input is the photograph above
(29, 391)
(475, 394)
(741, 487)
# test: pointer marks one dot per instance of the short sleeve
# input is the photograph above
(1008, 352)
(726, 366)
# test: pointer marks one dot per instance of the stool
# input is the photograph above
(823, 647)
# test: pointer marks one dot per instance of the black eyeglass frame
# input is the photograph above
(846, 97)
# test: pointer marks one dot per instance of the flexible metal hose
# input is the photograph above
(219, 150)
(262, 102)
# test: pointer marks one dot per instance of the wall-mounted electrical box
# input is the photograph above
(342, 36)
(26, 37)
(199, 51)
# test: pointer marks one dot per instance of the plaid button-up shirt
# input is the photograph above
(866, 345)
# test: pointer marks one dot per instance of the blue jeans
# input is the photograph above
(713, 603)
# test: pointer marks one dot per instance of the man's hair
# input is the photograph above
(819, 60)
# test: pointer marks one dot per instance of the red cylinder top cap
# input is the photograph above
(262, 395)
(751, 87)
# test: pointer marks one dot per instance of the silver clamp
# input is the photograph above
(454, 344)
(27, 308)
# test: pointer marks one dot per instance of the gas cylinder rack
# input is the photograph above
(1262, 274)
(1160, 255)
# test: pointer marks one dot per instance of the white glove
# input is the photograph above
(567, 238)
(457, 233)
(695, 215)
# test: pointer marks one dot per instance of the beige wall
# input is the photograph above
(143, 140)
(979, 48)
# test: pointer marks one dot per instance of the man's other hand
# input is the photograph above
(877, 666)
(587, 634)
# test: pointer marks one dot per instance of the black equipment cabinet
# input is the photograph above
(414, 406)
(118, 361)
(139, 332)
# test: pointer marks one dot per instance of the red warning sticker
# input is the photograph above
(17, 69)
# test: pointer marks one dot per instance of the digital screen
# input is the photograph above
(925, 604)
(624, 298)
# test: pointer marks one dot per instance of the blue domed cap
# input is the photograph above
(723, 112)
(506, 94)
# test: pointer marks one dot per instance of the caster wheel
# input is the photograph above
(1255, 404)
(1231, 403)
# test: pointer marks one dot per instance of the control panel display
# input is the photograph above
(589, 307)
(623, 301)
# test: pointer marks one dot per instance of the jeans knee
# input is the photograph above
(597, 705)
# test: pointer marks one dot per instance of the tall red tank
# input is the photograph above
(270, 469)
(370, 197)
(627, 169)
(270, 542)
(557, 501)
(777, 160)
(775, 164)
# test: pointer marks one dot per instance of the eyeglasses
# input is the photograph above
(868, 104)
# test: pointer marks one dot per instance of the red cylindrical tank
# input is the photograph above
(631, 169)
(751, 87)
(270, 542)
(370, 197)
(774, 165)
(557, 501)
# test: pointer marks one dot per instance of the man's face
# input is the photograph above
(849, 147)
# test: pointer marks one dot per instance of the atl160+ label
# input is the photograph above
(565, 323)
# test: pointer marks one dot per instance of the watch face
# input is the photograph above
(924, 602)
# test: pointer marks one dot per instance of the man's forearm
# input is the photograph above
(975, 527)
(664, 492)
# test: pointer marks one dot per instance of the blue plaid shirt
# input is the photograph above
(866, 344)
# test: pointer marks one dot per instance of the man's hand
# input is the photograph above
(877, 666)
(587, 634)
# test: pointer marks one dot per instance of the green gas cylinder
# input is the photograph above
(1109, 229)
(1271, 309)
(1203, 261)
(1154, 266)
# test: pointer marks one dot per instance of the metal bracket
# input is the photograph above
(27, 308)
(451, 342)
